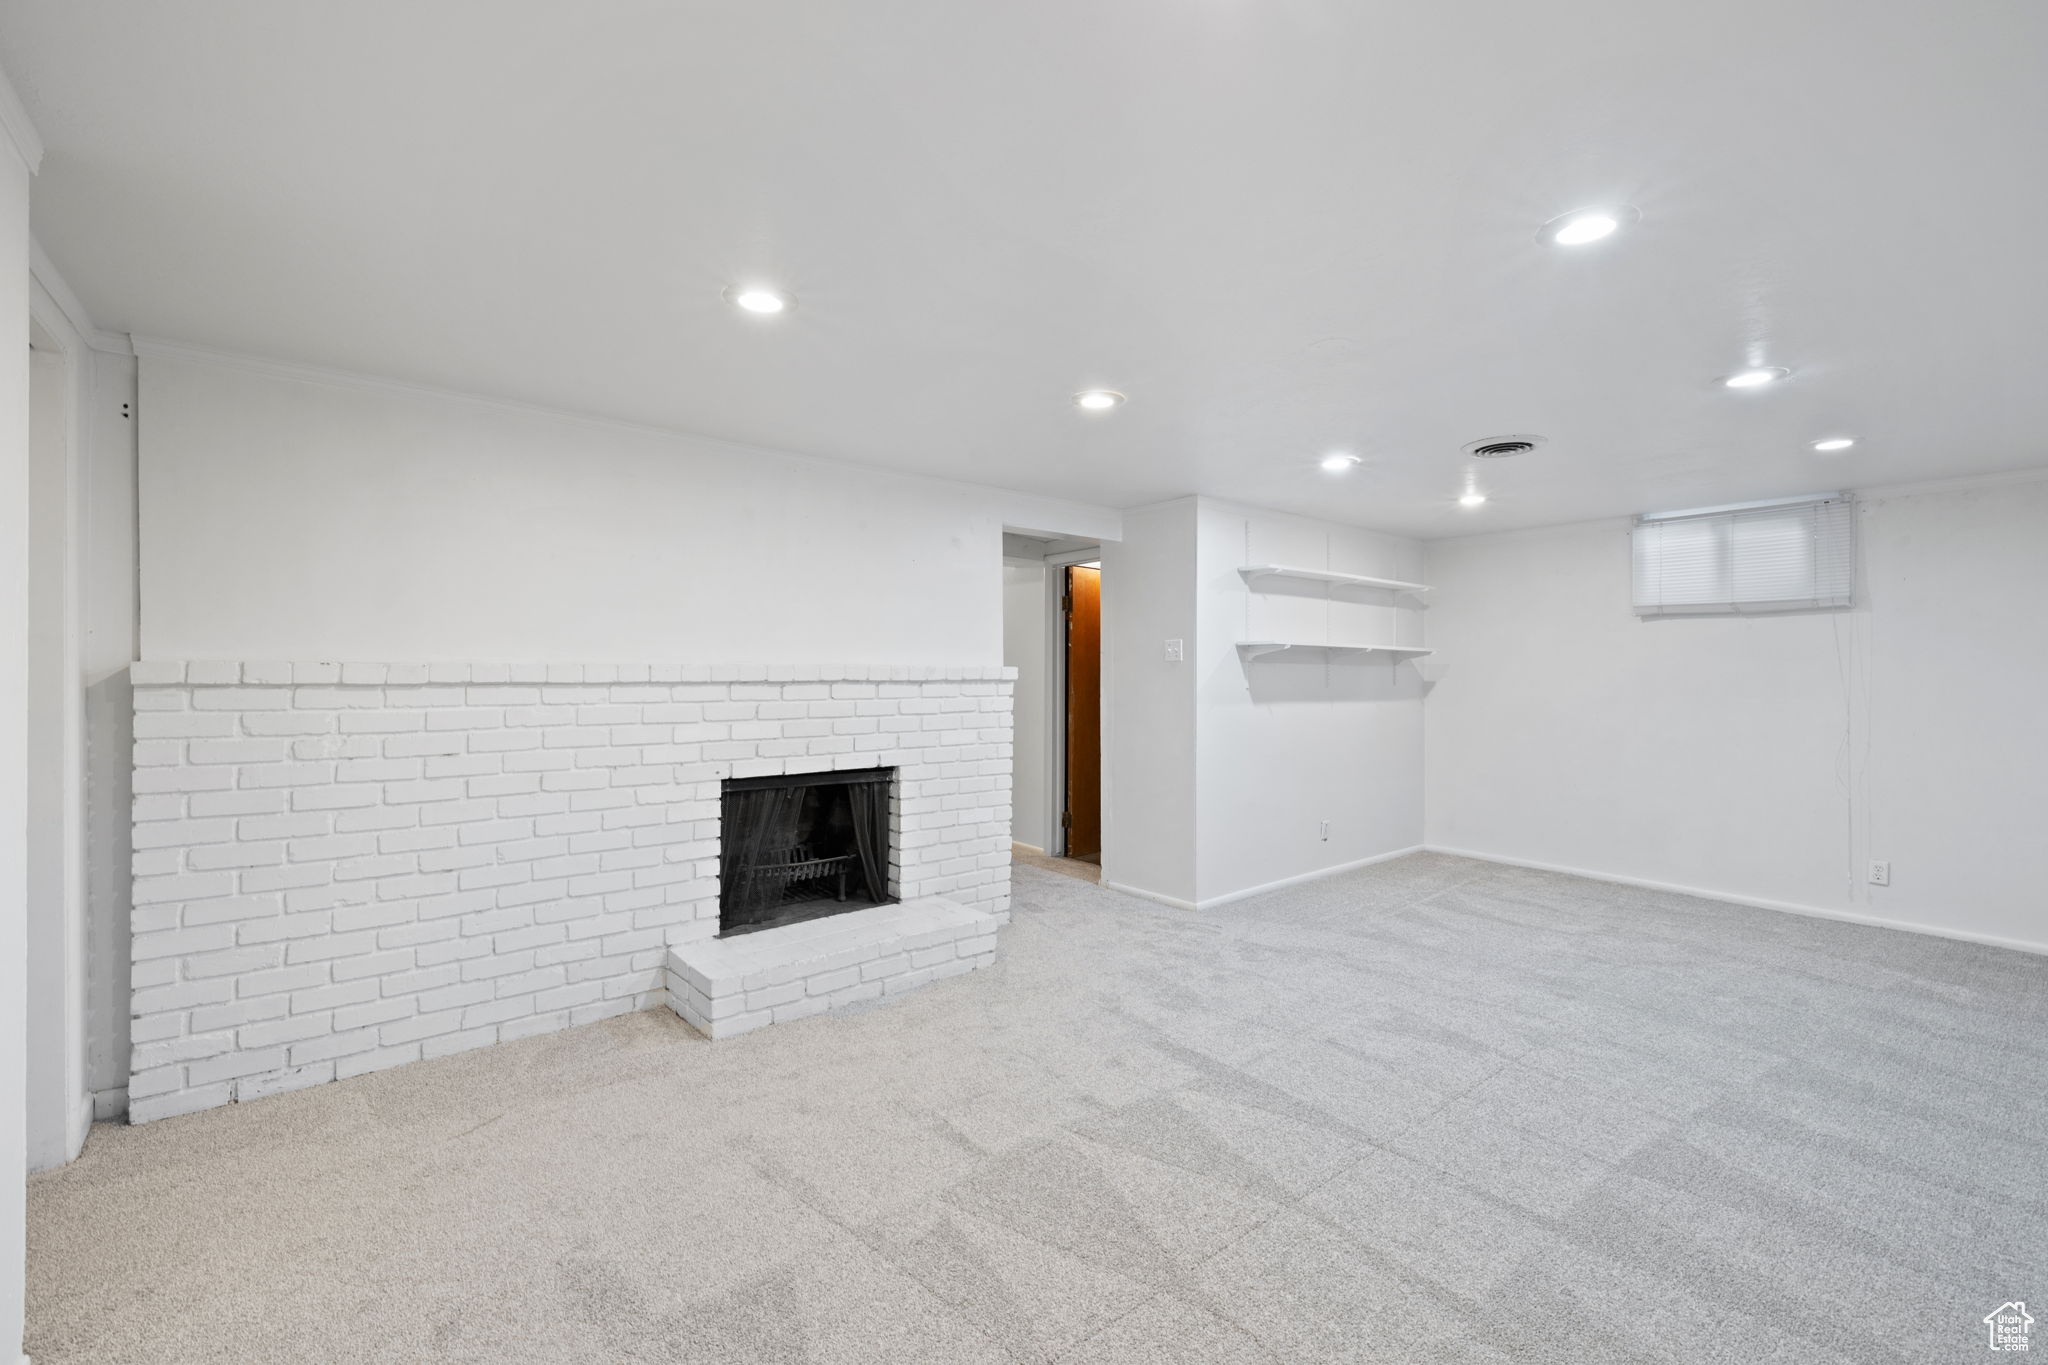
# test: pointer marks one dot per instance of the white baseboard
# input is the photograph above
(1028, 848)
(79, 1127)
(1754, 902)
(1248, 892)
(1320, 873)
(1158, 896)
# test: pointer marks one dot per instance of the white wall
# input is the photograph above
(1148, 704)
(1024, 649)
(1955, 791)
(1292, 739)
(14, 503)
(59, 1109)
(291, 515)
(109, 644)
(1764, 758)
(1219, 773)
(83, 638)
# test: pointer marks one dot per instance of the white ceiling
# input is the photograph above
(1283, 227)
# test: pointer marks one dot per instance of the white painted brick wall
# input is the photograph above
(345, 867)
(734, 985)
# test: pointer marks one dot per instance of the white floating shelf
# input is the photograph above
(1252, 649)
(1357, 580)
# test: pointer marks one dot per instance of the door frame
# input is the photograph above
(1056, 566)
(57, 1069)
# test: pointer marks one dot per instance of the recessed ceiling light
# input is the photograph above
(1757, 378)
(1337, 464)
(1587, 227)
(1834, 443)
(1098, 400)
(756, 298)
(1471, 499)
(1581, 226)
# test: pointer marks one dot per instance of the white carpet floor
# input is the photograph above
(1432, 1111)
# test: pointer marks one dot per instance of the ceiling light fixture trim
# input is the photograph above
(1098, 400)
(1756, 377)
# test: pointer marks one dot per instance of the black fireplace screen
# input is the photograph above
(794, 848)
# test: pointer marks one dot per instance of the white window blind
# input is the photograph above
(1776, 557)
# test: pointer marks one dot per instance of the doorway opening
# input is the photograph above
(1052, 636)
(1081, 610)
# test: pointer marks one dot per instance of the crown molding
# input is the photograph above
(45, 273)
(20, 128)
(1961, 483)
(1553, 528)
(1157, 503)
(58, 292)
(1233, 507)
(1055, 515)
(47, 312)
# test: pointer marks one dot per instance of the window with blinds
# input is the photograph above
(1785, 556)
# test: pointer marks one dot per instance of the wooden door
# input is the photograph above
(1083, 600)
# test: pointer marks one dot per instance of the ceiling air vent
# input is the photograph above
(1502, 447)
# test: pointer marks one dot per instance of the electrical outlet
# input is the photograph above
(1173, 651)
(1326, 831)
(1880, 874)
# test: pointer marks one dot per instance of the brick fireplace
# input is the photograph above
(344, 867)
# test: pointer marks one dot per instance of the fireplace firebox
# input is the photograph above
(802, 846)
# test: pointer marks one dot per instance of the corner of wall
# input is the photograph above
(14, 501)
(1308, 759)
(1148, 769)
